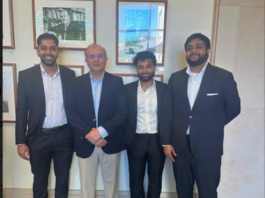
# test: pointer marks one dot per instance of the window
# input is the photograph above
(140, 26)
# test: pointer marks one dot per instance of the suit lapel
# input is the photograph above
(38, 83)
(134, 98)
(184, 90)
(104, 91)
(207, 80)
(63, 80)
(88, 94)
(159, 92)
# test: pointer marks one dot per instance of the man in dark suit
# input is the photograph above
(69, 29)
(144, 100)
(42, 132)
(200, 100)
(96, 108)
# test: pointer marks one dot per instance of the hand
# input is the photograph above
(100, 143)
(23, 151)
(93, 136)
(170, 152)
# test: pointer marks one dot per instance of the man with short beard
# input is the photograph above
(144, 100)
(199, 101)
(42, 132)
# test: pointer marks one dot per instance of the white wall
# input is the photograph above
(184, 17)
(240, 49)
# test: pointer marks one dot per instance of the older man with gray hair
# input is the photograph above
(96, 109)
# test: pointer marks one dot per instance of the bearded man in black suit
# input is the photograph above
(200, 100)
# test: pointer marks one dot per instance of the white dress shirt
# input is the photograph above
(55, 113)
(146, 110)
(194, 84)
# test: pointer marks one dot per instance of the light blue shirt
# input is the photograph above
(96, 85)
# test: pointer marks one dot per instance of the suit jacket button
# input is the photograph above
(190, 117)
(94, 120)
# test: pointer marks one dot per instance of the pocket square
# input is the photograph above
(212, 94)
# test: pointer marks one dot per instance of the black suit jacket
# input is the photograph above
(111, 114)
(217, 103)
(131, 121)
(30, 110)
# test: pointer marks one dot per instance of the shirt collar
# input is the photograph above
(92, 78)
(152, 87)
(43, 71)
(188, 70)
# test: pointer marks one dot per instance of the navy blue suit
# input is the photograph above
(217, 103)
(111, 114)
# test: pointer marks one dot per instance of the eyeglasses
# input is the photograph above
(92, 56)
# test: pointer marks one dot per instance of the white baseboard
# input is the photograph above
(27, 193)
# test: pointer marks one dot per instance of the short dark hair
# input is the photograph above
(143, 56)
(47, 36)
(200, 36)
(68, 10)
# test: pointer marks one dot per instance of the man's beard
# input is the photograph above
(202, 58)
(48, 63)
(146, 78)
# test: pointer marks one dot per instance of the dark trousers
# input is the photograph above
(205, 171)
(54, 144)
(146, 150)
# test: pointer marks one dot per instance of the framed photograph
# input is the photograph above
(73, 22)
(8, 25)
(140, 26)
(9, 92)
(128, 78)
(79, 69)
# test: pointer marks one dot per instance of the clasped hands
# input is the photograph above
(94, 137)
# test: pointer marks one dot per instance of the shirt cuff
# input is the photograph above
(166, 145)
(102, 132)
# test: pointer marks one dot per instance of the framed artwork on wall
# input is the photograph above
(9, 92)
(8, 25)
(128, 78)
(140, 26)
(73, 22)
(79, 69)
